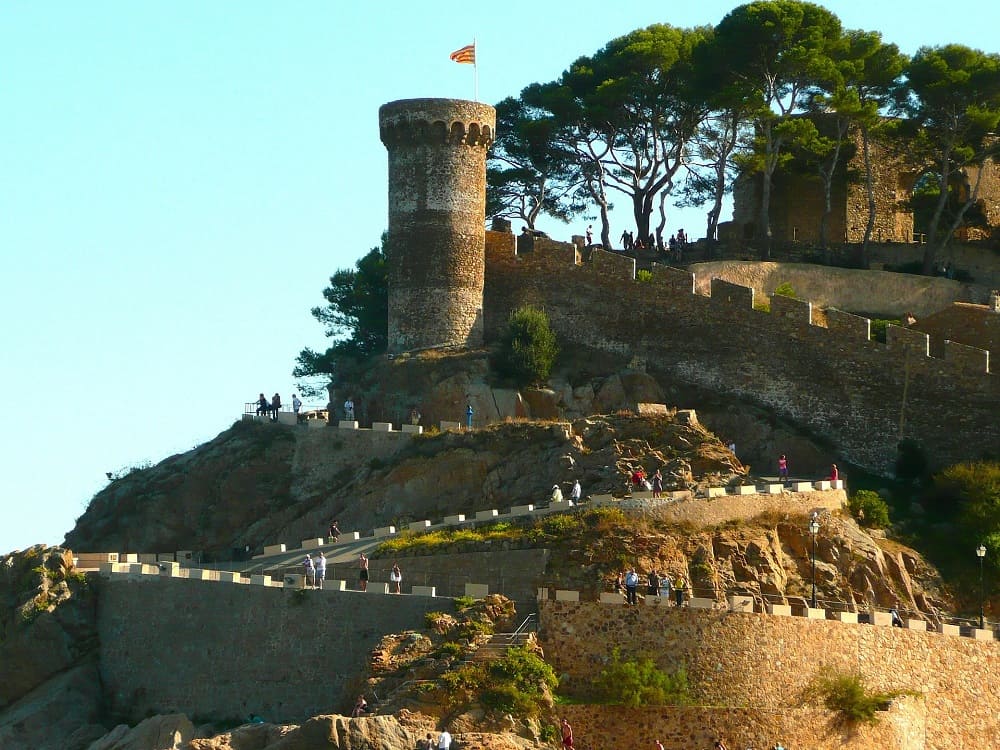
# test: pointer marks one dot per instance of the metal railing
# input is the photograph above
(522, 628)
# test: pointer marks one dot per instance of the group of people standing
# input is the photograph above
(314, 569)
(658, 584)
(272, 407)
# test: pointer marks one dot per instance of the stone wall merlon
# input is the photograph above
(726, 293)
(611, 265)
(847, 325)
(672, 279)
(796, 310)
(563, 253)
(906, 339)
(967, 357)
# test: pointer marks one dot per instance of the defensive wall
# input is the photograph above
(834, 380)
(225, 651)
(211, 645)
(902, 727)
(765, 663)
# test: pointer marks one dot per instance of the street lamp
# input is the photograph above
(813, 530)
(981, 553)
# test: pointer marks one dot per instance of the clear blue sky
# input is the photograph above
(178, 180)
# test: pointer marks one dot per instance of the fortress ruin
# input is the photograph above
(825, 373)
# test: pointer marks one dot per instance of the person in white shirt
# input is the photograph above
(320, 566)
(296, 404)
(309, 570)
(444, 740)
(631, 583)
(349, 409)
(574, 495)
(556, 494)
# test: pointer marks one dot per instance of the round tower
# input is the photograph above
(437, 212)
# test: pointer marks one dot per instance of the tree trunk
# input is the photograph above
(663, 218)
(605, 226)
(764, 217)
(931, 248)
(870, 195)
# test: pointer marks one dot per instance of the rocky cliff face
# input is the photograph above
(257, 484)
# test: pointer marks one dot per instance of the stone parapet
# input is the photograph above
(765, 663)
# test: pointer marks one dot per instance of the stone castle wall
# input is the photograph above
(902, 727)
(437, 199)
(797, 199)
(755, 661)
(223, 650)
(833, 381)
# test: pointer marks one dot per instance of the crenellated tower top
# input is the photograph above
(453, 122)
(437, 208)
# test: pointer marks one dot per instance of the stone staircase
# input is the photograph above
(499, 644)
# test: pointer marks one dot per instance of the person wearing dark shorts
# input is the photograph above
(363, 564)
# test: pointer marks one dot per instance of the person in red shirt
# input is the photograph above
(567, 735)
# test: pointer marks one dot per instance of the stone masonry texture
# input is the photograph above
(228, 650)
(766, 662)
(680, 728)
(861, 394)
(437, 201)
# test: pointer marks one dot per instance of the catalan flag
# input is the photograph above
(466, 54)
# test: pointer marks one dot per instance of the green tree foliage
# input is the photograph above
(627, 113)
(784, 289)
(528, 173)
(518, 683)
(356, 316)
(869, 509)
(782, 52)
(846, 693)
(951, 102)
(638, 682)
(971, 492)
(528, 348)
(870, 72)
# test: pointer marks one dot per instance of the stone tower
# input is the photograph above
(437, 212)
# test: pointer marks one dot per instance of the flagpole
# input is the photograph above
(475, 69)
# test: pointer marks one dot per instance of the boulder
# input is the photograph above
(169, 732)
(543, 403)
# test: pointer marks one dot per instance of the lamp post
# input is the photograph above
(981, 553)
(813, 530)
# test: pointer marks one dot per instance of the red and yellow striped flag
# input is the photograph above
(466, 54)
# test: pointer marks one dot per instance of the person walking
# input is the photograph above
(575, 493)
(444, 740)
(468, 416)
(567, 735)
(783, 468)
